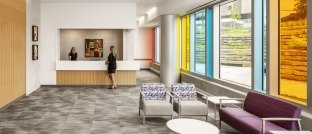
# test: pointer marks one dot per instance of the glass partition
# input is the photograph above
(185, 59)
(157, 44)
(293, 50)
(200, 38)
(235, 42)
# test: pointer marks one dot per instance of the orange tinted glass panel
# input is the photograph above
(293, 50)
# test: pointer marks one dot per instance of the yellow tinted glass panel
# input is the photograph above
(178, 39)
(185, 43)
(293, 50)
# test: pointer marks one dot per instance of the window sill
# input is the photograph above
(225, 84)
(221, 80)
(202, 74)
(234, 83)
(158, 63)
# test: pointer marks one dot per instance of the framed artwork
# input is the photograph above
(35, 33)
(35, 52)
(93, 48)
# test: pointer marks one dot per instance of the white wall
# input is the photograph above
(32, 66)
(90, 15)
(55, 16)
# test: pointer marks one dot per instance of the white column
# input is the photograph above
(129, 39)
(216, 42)
(272, 48)
(169, 73)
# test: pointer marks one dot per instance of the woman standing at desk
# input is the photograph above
(72, 54)
(111, 61)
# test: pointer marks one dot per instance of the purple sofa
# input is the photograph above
(260, 110)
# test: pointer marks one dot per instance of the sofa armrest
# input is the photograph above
(141, 100)
(169, 94)
(200, 93)
(142, 95)
(171, 97)
(176, 95)
(279, 119)
(203, 96)
(235, 101)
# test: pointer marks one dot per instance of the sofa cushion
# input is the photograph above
(191, 108)
(157, 107)
(245, 122)
(253, 125)
(229, 115)
(265, 106)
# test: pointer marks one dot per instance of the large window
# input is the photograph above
(235, 41)
(293, 50)
(200, 30)
(157, 44)
(229, 41)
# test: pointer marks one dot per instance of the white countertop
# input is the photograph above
(95, 65)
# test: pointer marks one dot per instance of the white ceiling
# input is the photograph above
(142, 5)
(163, 6)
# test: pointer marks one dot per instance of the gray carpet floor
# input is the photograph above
(84, 110)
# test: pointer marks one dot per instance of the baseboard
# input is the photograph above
(155, 71)
(9, 104)
(145, 69)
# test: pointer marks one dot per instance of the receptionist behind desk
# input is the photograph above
(72, 54)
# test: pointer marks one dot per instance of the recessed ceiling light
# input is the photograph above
(141, 18)
(152, 10)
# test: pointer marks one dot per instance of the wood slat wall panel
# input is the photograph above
(12, 51)
(94, 78)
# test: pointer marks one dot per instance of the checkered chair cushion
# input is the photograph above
(186, 91)
(153, 91)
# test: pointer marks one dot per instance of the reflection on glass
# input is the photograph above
(157, 39)
(200, 22)
(264, 45)
(185, 43)
(235, 41)
(293, 50)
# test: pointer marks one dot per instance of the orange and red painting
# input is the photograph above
(93, 47)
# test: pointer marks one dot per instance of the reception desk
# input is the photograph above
(94, 73)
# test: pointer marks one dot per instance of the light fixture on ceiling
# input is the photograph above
(141, 19)
(151, 11)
